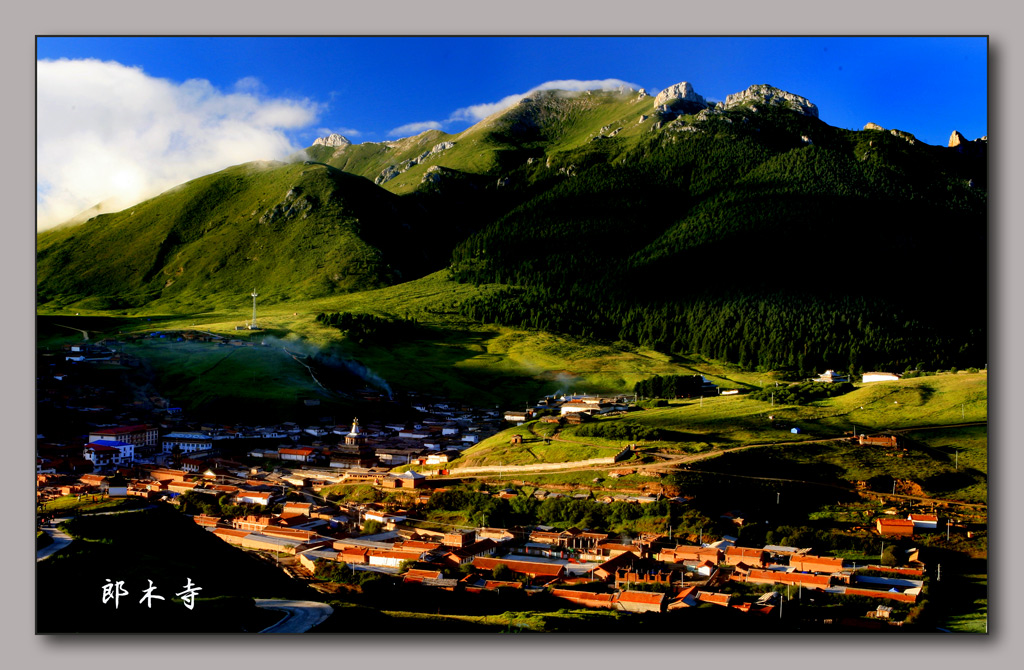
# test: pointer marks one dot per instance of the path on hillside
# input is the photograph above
(674, 461)
(300, 615)
(60, 540)
(85, 333)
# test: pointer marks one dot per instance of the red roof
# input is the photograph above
(716, 598)
(643, 597)
(524, 567)
(923, 517)
(296, 452)
(896, 522)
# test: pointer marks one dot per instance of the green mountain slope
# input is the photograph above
(748, 231)
(292, 231)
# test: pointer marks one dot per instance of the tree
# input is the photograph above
(372, 527)
(502, 572)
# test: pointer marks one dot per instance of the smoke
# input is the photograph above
(331, 360)
(109, 135)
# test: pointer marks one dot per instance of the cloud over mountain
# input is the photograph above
(114, 134)
(474, 113)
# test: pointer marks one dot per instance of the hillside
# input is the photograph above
(747, 231)
(293, 231)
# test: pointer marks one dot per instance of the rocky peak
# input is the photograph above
(965, 146)
(681, 97)
(956, 139)
(332, 140)
(769, 95)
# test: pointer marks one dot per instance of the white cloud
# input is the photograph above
(108, 132)
(475, 113)
(414, 128)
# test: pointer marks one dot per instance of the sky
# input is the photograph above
(120, 119)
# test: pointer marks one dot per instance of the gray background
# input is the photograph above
(994, 18)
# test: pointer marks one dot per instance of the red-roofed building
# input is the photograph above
(794, 578)
(641, 601)
(897, 527)
(714, 598)
(355, 555)
(297, 508)
(206, 521)
(684, 553)
(586, 598)
(825, 564)
(414, 575)
(531, 569)
(302, 454)
(748, 555)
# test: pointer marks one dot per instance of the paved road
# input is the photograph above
(300, 615)
(60, 540)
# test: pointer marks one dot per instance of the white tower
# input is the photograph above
(252, 326)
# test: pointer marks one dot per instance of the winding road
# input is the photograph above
(60, 540)
(300, 615)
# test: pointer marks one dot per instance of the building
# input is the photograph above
(186, 443)
(897, 527)
(823, 564)
(879, 377)
(252, 497)
(747, 555)
(641, 601)
(145, 437)
(830, 377)
(924, 520)
(356, 437)
(301, 454)
(107, 453)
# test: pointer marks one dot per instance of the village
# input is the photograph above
(154, 455)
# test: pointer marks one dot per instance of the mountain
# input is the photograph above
(748, 230)
(293, 230)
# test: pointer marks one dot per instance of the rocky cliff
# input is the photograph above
(769, 95)
(332, 140)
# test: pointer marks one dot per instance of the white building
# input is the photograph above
(186, 442)
(254, 497)
(879, 377)
(109, 452)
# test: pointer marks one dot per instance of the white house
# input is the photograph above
(384, 517)
(109, 452)
(924, 520)
(254, 497)
(879, 377)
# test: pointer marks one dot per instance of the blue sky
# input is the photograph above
(194, 103)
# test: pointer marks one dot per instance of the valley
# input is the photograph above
(424, 379)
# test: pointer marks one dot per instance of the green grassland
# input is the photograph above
(497, 450)
(477, 363)
(90, 503)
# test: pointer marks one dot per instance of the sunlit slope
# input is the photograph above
(293, 231)
(533, 139)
